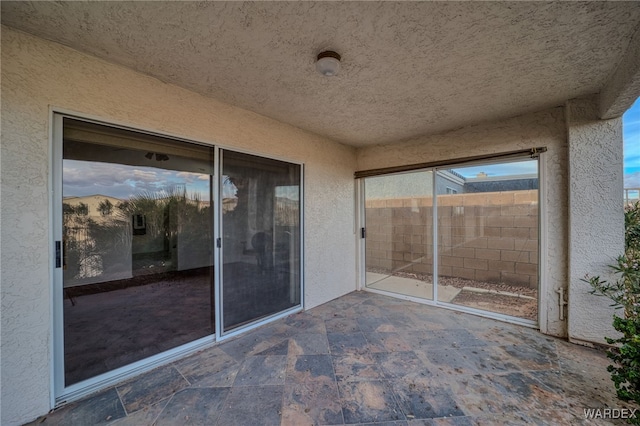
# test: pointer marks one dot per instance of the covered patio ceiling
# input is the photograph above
(408, 69)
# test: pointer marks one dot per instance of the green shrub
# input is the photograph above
(625, 294)
(632, 227)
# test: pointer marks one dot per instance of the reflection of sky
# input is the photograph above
(82, 178)
(503, 169)
(631, 137)
(229, 190)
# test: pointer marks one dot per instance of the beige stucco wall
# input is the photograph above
(542, 129)
(37, 75)
(596, 219)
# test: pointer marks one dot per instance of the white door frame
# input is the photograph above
(61, 394)
(543, 289)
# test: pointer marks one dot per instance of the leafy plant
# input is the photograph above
(91, 244)
(105, 207)
(625, 294)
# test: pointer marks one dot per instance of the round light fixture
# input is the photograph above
(328, 63)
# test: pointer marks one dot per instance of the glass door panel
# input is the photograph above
(137, 244)
(488, 237)
(399, 233)
(261, 238)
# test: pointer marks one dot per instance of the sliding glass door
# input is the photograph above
(137, 253)
(399, 234)
(160, 248)
(260, 238)
(488, 237)
(486, 228)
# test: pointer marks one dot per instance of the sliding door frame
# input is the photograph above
(219, 246)
(61, 394)
(538, 154)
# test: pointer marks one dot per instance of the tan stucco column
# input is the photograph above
(596, 220)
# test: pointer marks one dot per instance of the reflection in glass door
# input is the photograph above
(260, 238)
(137, 246)
(399, 233)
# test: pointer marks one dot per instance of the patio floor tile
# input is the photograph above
(281, 348)
(250, 405)
(209, 368)
(365, 359)
(312, 402)
(102, 408)
(355, 369)
(368, 402)
(193, 406)
(311, 368)
(309, 344)
(490, 359)
(150, 388)
(387, 342)
(144, 416)
(347, 343)
(419, 398)
(262, 371)
(400, 364)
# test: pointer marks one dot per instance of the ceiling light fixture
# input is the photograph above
(328, 63)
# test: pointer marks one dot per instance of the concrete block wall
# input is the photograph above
(490, 237)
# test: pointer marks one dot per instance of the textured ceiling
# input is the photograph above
(408, 68)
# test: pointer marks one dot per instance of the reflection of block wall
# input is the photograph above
(490, 236)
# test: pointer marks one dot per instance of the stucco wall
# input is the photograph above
(542, 129)
(37, 75)
(596, 220)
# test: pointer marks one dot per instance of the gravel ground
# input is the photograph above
(522, 307)
(507, 305)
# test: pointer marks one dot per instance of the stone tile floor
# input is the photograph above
(365, 359)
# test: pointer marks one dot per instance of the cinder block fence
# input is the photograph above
(489, 237)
